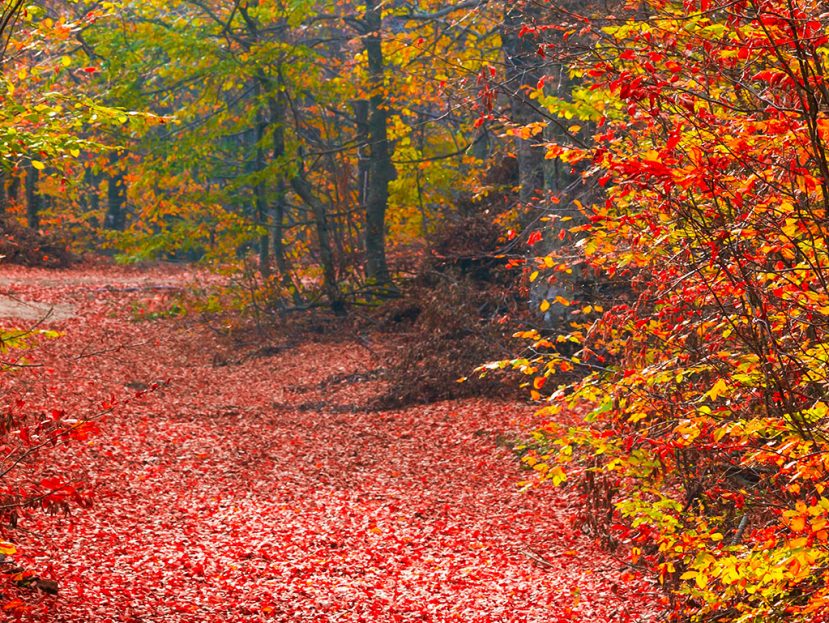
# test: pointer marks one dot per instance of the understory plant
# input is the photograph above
(701, 443)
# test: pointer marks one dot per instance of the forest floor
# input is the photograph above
(252, 486)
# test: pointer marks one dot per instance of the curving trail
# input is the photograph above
(223, 497)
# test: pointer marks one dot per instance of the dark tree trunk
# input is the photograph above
(380, 169)
(277, 113)
(14, 189)
(33, 199)
(116, 217)
(4, 197)
(91, 199)
(363, 150)
(279, 233)
(261, 197)
(329, 274)
(481, 146)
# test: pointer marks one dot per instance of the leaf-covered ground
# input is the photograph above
(248, 489)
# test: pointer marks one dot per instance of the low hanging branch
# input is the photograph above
(8, 20)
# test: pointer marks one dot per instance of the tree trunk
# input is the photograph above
(33, 199)
(116, 197)
(261, 199)
(277, 114)
(90, 199)
(4, 197)
(329, 274)
(363, 150)
(14, 189)
(380, 168)
(523, 71)
(260, 191)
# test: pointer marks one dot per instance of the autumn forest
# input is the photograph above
(391, 311)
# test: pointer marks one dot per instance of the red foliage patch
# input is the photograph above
(218, 498)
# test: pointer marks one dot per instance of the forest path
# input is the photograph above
(223, 497)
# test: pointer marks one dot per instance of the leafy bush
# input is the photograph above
(454, 313)
(28, 480)
(702, 442)
(21, 245)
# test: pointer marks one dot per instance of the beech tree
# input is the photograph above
(380, 168)
(304, 130)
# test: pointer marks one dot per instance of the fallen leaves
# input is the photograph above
(217, 498)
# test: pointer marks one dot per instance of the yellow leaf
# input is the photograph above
(534, 276)
(66, 61)
(37, 164)
(557, 475)
(545, 305)
(798, 523)
(720, 388)
(74, 152)
(6, 548)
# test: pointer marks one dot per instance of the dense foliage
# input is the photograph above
(702, 448)
(299, 136)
